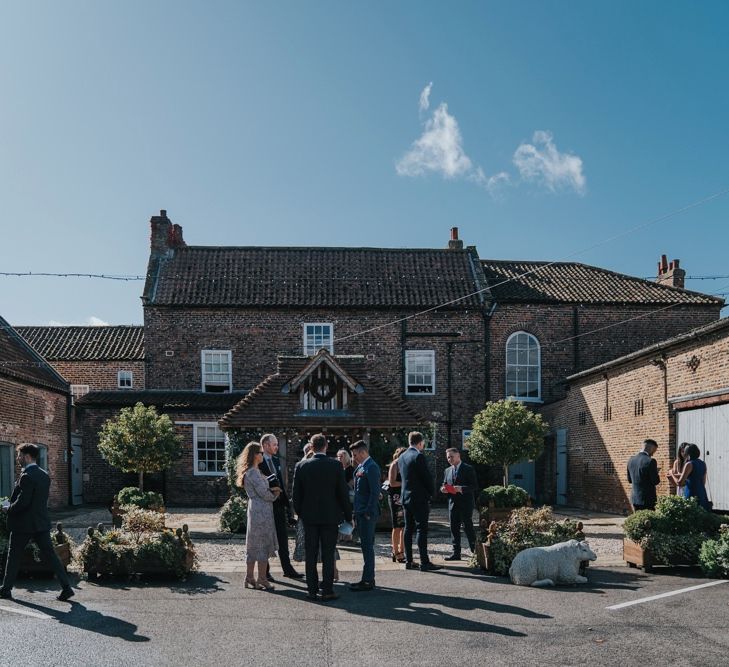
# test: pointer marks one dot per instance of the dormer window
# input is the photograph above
(318, 336)
(217, 371)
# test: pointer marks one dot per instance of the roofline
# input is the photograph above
(64, 388)
(310, 248)
(78, 326)
(693, 334)
(714, 303)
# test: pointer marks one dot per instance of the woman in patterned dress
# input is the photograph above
(261, 540)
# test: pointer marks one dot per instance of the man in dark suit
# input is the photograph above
(367, 489)
(460, 483)
(28, 520)
(321, 500)
(271, 465)
(643, 475)
(416, 491)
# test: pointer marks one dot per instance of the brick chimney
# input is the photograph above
(455, 243)
(670, 273)
(165, 236)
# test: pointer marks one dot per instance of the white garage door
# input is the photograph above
(709, 429)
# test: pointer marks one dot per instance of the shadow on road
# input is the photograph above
(199, 584)
(80, 617)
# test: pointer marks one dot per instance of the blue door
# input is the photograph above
(522, 474)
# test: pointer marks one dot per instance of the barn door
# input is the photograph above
(562, 475)
(77, 481)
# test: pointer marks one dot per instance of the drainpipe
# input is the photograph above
(69, 448)
(487, 352)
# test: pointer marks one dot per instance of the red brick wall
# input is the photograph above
(598, 451)
(100, 375)
(33, 414)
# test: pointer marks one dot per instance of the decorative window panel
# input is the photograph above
(523, 367)
(209, 449)
(420, 372)
(217, 371)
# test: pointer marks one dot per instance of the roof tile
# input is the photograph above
(74, 343)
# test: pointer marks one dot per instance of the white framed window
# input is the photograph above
(208, 449)
(318, 335)
(217, 370)
(78, 390)
(43, 457)
(523, 367)
(125, 379)
(430, 443)
(466, 434)
(420, 372)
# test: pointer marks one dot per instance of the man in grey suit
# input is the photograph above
(321, 500)
(28, 520)
(643, 475)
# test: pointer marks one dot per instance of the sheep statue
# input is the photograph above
(547, 566)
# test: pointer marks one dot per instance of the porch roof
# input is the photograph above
(270, 404)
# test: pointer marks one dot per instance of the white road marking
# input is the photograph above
(25, 612)
(668, 595)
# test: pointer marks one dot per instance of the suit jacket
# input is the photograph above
(643, 475)
(321, 496)
(283, 501)
(367, 488)
(417, 482)
(28, 511)
(467, 479)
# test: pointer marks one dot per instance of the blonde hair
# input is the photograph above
(347, 457)
(396, 454)
(246, 460)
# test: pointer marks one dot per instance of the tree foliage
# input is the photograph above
(506, 432)
(139, 440)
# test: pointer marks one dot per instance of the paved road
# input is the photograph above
(413, 619)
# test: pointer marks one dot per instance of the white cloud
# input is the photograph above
(541, 162)
(494, 183)
(424, 104)
(439, 149)
(92, 321)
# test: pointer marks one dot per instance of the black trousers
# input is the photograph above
(416, 519)
(18, 542)
(279, 519)
(316, 537)
(462, 515)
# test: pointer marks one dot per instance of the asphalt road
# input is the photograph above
(453, 616)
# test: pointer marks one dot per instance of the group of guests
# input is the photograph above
(688, 474)
(330, 496)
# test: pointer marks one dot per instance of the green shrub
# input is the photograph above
(714, 555)
(234, 515)
(131, 495)
(509, 496)
(640, 524)
(526, 528)
(138, 521)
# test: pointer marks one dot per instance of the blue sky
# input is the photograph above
(313, 123)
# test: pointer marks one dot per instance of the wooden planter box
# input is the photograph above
(30, 565)
(499, 513)
(638, 557)
(117, 513)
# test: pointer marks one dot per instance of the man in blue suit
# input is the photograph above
(367, 485)
(417, 489)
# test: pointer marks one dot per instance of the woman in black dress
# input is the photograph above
(396, 509)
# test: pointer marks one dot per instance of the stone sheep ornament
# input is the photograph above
(547, 566)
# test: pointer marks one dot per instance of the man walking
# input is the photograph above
(28, 520)
(416, 491)
(643, 475)
(271, 465)
(321, 500)
(367, 485)
(460, 483)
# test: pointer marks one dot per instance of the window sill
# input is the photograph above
(197, 473)
(537, 401)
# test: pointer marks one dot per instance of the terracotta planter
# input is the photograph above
(638, 557)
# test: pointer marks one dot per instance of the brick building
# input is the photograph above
(34, 407)
(441, 328)
(676, 390)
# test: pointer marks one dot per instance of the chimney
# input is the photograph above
(669, 273)
(455, 243)
(165, 236)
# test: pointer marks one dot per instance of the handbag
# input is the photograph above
(709, 501)
(386, 485)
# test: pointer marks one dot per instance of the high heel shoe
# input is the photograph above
(251, 583)
(265, 586)
(398, 557)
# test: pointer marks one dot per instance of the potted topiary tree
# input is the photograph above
(139, 440)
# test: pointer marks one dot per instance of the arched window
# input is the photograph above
(523, 367)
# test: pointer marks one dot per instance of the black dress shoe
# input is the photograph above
(430, 567)
(66, 594)
(453, 557)
(6, 595)
(362, 586)
(269, 577)
(328, 597)
(412, 566)
(293, 574)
